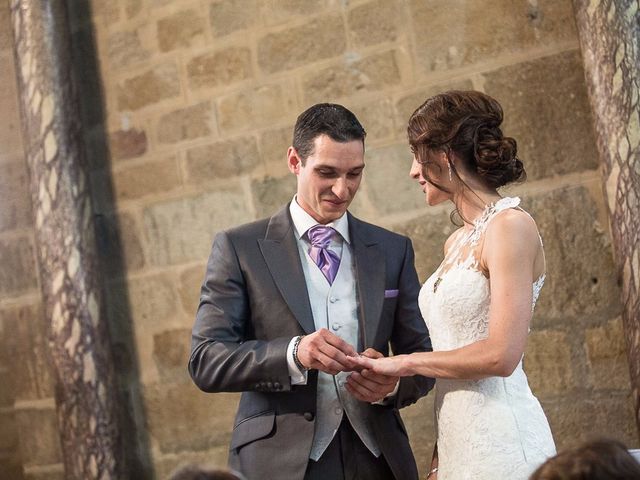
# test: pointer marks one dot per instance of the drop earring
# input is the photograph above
(450, 174)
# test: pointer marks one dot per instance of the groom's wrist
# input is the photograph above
(298, 376)
(294, 353)
(389, 397)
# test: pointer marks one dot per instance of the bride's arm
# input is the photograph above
(511, 247)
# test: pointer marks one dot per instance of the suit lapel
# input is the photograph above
(280, 252)
(370, 277)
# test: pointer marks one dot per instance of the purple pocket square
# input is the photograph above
(391, 293)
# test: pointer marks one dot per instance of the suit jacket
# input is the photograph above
(254, 300)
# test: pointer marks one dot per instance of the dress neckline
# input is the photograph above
(487, 214)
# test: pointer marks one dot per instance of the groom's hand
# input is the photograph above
(368, 386)
(324, 351)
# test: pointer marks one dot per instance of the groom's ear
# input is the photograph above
(293, 161)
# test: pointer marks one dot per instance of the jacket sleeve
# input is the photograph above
(224, 355)
(410, 333)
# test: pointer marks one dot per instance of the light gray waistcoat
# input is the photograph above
(335, 307)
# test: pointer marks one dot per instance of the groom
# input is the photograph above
(287, 299)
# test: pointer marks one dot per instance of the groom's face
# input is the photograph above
(329, 178)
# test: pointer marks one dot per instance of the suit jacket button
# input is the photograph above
(308, 416)
(269, 385)
(277, 386)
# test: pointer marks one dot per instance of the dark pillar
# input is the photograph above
(609, 33)
(86, 392)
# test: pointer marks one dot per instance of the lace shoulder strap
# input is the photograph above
(480, 224)
(463, 251)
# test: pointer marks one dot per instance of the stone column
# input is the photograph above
(609, 32)
(85, 391)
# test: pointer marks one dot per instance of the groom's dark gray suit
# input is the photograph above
(254, 300)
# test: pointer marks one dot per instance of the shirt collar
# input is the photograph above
(302, 221)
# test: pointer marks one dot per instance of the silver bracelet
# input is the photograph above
(433, 470)
(296, 360)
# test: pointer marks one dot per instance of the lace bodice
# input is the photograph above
(488, 428)
(459, 290)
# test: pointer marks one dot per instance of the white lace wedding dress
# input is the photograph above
(493, 428)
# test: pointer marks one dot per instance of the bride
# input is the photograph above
(479, 302)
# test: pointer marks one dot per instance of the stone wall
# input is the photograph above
(198, 102)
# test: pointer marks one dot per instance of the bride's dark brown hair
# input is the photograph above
(467, 124)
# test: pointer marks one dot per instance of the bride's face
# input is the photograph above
(431, 173)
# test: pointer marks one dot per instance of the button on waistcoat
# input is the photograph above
(335, 307)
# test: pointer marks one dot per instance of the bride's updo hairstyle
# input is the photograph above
(467, 124)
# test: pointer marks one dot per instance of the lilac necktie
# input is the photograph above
(326, 260)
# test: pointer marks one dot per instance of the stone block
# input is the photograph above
(273, 149)
(106, 12)
(577, 418)
(27, 353)
(152, 86)
(17, 265)
(227, 16)
(374, 22)
(271, 194)
(377, 119)
(578, 286)
(11, 467)
(322, 38)
(125, 49)
(547, 112)
(407, 104)
(222, 67)
(190, 282)
(182, 29)
(188, 123)
(39, 438)
(147, 178)
(6, 394)
(132, 7)
(171, 349)
(428, 234)
(387, 180)
(182, 418)
(14, 195)
(6, 29)
(453, 34)
(119, 244)
(281, 11)
(182, 230)
(50, 472)
(8, 432)
(606, 356)
(549, 363)
(256, 108)
(167, 465)
(10, 130)
(149, 301)
(222, 159)
(352, 76)
(125, 144)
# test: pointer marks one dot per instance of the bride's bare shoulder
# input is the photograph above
(513, 227)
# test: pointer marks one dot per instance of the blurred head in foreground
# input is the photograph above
(596, 460)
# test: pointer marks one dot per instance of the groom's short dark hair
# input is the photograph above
(333, 120)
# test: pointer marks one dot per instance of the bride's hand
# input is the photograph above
(369, 386)
(393, 366)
